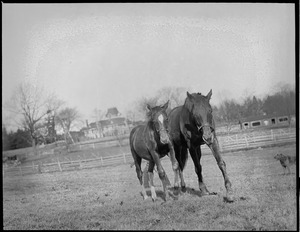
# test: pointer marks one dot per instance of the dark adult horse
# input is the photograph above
(151, 142)
(190, 126)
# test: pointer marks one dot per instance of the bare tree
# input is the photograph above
(30, 103)
(175, 95)
(141, 104)
(229, 112)
(65, 118)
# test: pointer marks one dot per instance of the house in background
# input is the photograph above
(267, 121)
(112, 125)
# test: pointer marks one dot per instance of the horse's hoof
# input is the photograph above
(204, 191)
(212, 193)
(153, 199)
(228, 199)
(175, 166)
(205, 194)
(183, 189)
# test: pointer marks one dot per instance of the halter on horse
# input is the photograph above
(191, 125)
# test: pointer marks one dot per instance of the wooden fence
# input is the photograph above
(227, 144)
(68, 165)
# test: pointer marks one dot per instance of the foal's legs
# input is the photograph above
(137, 162)
(161, 173)
(151, 165)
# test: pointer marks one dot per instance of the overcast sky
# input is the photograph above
(104, 55)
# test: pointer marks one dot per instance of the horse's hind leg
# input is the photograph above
(181, 156)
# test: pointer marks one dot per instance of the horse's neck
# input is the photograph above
(186, 116)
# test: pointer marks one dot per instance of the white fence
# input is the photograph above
(68, 165)
(227, 143)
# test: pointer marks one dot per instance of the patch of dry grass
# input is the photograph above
(109, 198)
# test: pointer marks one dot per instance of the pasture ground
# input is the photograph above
(109, 197)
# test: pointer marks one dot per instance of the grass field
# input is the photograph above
(109, 197)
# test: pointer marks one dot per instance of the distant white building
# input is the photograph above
(113, 125)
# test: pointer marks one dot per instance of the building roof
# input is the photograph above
(119, 121)
(112, 112)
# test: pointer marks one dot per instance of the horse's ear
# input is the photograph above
(208, 96)
(165, 106)
(149, 107)
(189, 95)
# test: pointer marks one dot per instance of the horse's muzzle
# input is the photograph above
(208, 133)
(208, 140)
(164, 138)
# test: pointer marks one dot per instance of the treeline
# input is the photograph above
(18, 139)
(280, 103)
(230, 111)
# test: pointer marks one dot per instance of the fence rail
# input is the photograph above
(227, 144)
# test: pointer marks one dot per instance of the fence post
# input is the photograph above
(59, 164)
(247, 143)
(124, 155)
(94, 145)
(272, 135)
(21, 170)
(101, 160)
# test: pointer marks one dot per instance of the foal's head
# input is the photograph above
(158, 121)
(199, 107)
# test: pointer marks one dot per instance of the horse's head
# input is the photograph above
(201, 111)
(159, 121)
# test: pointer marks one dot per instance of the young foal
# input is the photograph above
(151, 142)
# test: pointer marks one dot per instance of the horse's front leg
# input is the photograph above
(222, 165)
(162, 174)
(151, 165)
(196, 156)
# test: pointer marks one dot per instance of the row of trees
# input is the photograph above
(229, 111)
(39, 114)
